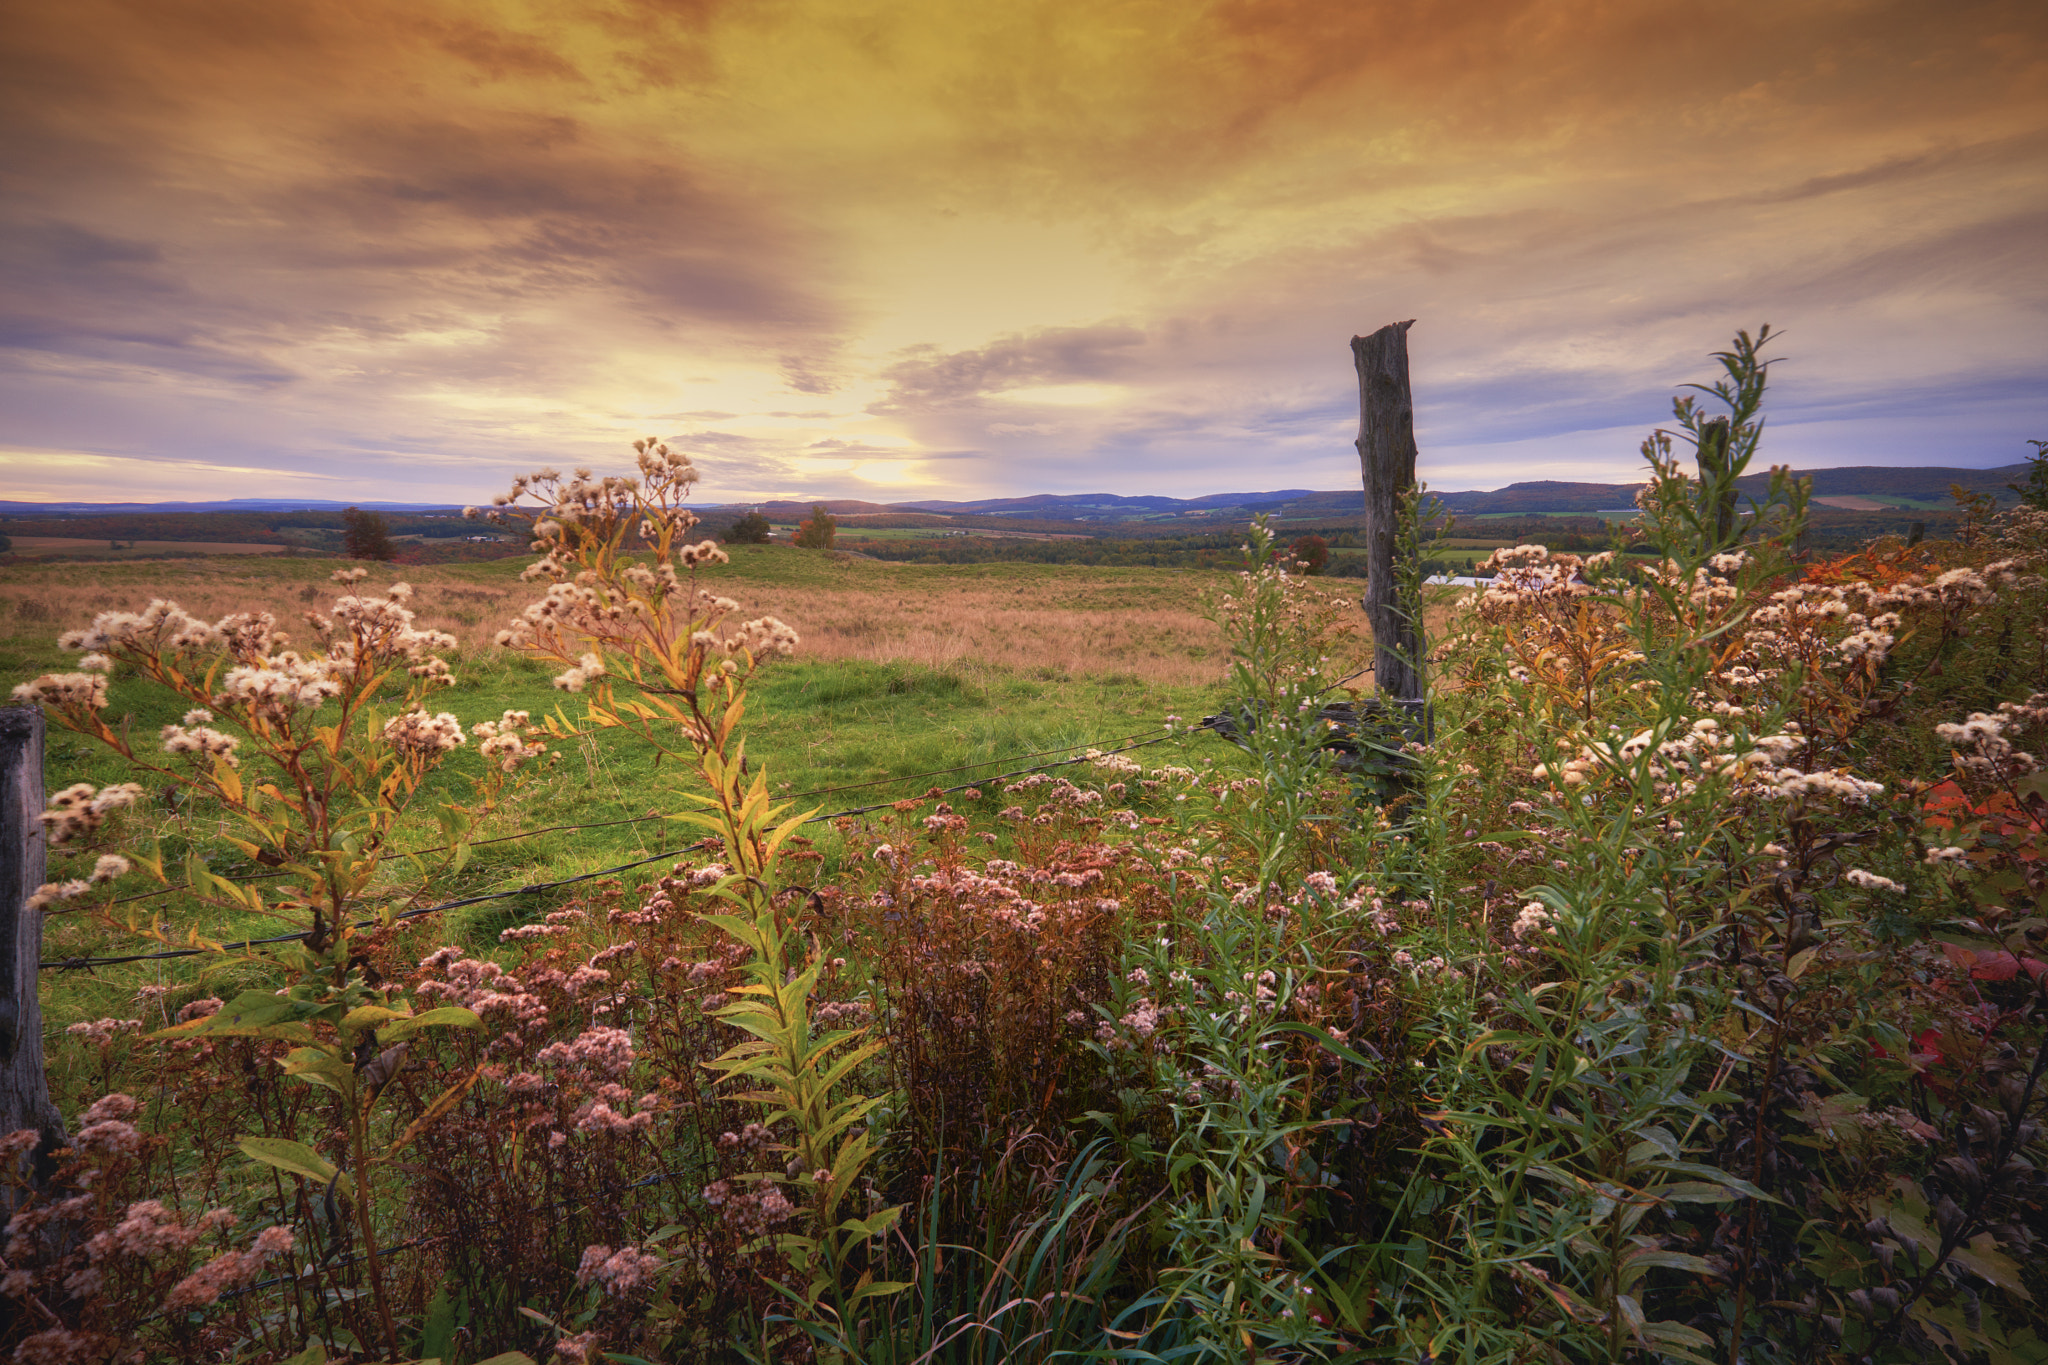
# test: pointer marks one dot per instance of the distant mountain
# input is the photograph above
(1103, 506)
(1544, 495)
(785, 507)
(1920, 483)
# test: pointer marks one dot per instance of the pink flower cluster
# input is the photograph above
(229, 1270)
(601, 1051)
(751, 1209)
(105, 1131)
(617, 1272)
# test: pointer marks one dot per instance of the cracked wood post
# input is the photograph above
(1386, 461)
(24, 1089)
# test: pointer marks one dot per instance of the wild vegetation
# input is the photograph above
(1677, 994)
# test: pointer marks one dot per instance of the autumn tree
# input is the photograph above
(1313, 552)
(817, 530)
(366, 536)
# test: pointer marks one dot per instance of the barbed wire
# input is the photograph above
(636, 819)
(535, 888)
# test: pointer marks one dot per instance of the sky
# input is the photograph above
(405, 249)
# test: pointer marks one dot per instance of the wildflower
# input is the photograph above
(230, 1270)
(1534, 920)
(419, 736)
(200, 739)
(580, 1349)
(56, 891)
(58, 1346)
(591, 665)
(100, 1033)
(1870, 881)
(617, 1272)
(147, 1229)
(605, 1050)
(81, 809)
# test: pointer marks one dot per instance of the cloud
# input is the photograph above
(1053, 355)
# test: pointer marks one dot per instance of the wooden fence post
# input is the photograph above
(1386, 460)
(24, 1089)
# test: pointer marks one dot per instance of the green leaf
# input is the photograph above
(317, 1066)
(314, 1354)
(1675, 1338)
(297, 1158)
(879, 1289)
(1906, 1227)
(437, 1330)
(1642, 1260)
(1983, 1259)
(1325, 1041)
(247, 1014)
(874, 1225)
(446, 1016)
(368, 1016)
(1695, 1192)
(1656, 1141)
(1716, 1175)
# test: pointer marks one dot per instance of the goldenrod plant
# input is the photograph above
(622, 617)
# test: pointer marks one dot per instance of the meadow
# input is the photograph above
(1675, 993)
(906, 669)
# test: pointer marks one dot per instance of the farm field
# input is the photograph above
(135, 549)
(903, 669)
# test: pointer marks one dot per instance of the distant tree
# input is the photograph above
(365, 535)
(6, 544)
(1313, 552)
(751, 529)
(2034, 493)
(816, 531)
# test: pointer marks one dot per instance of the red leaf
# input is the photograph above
(1995, 967)
(2004, 967)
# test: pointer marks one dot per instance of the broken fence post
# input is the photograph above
(1386, 462)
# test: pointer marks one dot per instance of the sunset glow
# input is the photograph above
(403, 251)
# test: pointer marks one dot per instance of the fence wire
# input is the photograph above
(1139, 741)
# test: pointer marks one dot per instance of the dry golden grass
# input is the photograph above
(1145, 623)
(1157, 635)
(48, 599)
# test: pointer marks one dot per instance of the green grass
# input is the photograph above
(831, 734)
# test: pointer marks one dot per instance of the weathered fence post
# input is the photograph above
(1386, 460)
(24, 1089)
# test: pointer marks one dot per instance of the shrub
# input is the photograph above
(1312, 553)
